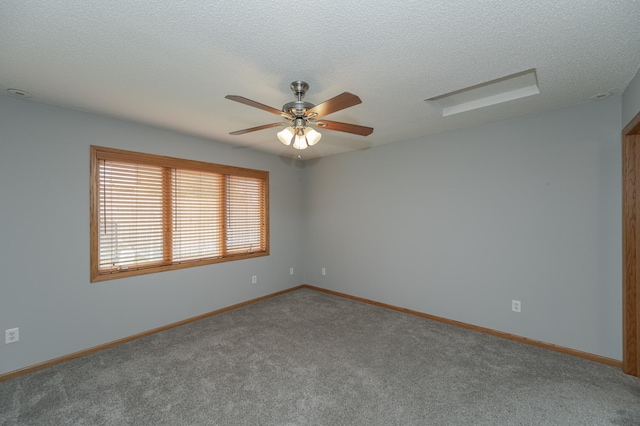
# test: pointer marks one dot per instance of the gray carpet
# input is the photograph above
(309, 358)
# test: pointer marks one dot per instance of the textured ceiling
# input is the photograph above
(170, 63)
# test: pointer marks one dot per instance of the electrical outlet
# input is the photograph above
(324, 271)
(254, 279)
(12, 335)
(515, 305)
(290, 271)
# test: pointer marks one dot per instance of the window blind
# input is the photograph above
(131, 215)
(244, 215)
(197, 215)
(153, 213)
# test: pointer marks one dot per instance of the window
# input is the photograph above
(151, 213)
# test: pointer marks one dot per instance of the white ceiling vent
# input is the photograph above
(496, 91)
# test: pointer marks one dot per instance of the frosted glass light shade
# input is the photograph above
(300, 142)
(286, 135)
(312, 136)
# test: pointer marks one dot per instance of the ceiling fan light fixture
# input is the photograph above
(301, 136)
(286, 135)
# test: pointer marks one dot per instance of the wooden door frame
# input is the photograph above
(631, 247)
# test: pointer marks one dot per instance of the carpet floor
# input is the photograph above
(310, 358)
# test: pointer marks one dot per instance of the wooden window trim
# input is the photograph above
(101, 153)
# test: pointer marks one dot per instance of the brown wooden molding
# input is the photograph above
(630, 249)
(633, 127)
(94, 349)
(550, 346)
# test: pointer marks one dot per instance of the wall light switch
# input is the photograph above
(324, 271)
(290, 271)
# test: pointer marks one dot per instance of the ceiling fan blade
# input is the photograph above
(253, 129)
(344, 127)
(254, 104)
(345, 100)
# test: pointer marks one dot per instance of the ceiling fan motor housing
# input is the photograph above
(297, 108)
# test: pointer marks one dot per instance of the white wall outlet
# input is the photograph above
(324, 271)
(515, 305)
(12, 335)
(290, 271)
(254, 279)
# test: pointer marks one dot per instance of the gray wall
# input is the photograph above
(44, 236)
(631, 100)
(456, 225)
(459, 224)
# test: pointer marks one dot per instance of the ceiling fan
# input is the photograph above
(301, 115)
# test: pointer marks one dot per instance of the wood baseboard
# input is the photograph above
(94, 349)
(550, 346)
